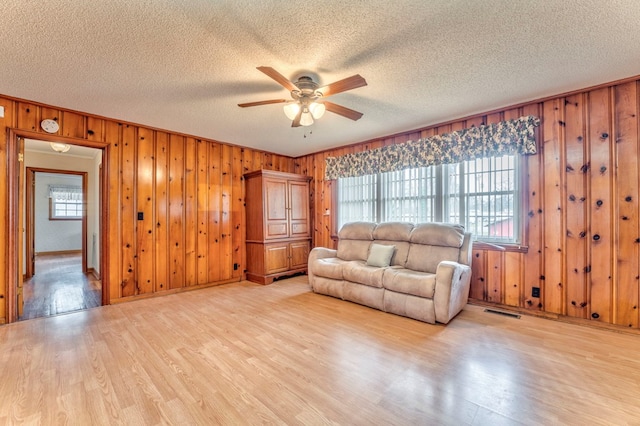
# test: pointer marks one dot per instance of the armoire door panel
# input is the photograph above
(276, 258)
(299, 254)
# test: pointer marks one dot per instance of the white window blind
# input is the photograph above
(357, 198)
(481, 194)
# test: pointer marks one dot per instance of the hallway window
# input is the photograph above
(65, 203)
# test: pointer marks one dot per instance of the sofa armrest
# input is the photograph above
(453, 281)
(315, 254)
(322, 253)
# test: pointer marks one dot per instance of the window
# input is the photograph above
(65, 203)
(482, 194)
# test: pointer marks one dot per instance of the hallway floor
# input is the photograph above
(59, 286)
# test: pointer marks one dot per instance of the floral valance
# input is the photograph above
(491, 140)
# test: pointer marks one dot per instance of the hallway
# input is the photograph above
(59, 286)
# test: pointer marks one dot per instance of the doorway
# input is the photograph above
(57, 279)
(61, 195)
(15, 261)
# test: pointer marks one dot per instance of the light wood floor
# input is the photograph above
(59, 286)
(278, 354)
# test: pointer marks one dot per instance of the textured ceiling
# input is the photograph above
(184, 65)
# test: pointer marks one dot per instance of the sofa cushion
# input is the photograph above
(360, 273)
(406, 281)
(329, 267)
(380, 255)
(353, 249)
(425, 258)
(438, 234)
(393, 231)
(357, 231)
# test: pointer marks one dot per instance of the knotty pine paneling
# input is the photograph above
(202, 246)
(533, 220)
(553, 206)
(191, 213)
(626, 201)
(576, 207)
(580, 220)
(215, 207)
(190, 192)
(601, 205)
(128, 284)
(161, 205)
(145, 257)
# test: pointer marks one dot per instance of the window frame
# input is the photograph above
(520, 198)
(52, 210)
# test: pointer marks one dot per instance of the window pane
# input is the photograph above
(490, 198)
(357, 199)
(65, 207)
(408, 195)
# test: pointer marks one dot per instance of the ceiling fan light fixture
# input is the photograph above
(291, 110)
(60, 147)
(306, 119)
(317, 110)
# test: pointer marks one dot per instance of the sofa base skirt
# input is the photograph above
(410, 306)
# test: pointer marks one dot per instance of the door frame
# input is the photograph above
(30, 215)
(15, 161)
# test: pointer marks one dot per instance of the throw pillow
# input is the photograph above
(380, 255)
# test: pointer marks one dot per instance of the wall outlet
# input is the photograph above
(535, 291)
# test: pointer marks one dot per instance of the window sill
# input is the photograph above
(515, 248)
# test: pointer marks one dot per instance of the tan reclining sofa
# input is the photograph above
(419, 271)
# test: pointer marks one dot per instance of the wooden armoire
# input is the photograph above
(278, 224)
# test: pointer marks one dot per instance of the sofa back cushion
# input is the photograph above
(425, 257)
(431, 243)
(438, 234)
(393, 231)
(395, 234)
(354, 240)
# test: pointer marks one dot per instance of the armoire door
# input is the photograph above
(299, 209)
(276, 208)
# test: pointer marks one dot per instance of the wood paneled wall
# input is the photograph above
(188, 190)
(581, 192)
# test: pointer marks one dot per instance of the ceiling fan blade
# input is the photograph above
(272, 101)
(343, 111)
(282, 80)
(343, 85)
(296, 121)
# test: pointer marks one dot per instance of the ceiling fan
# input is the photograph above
(308, 103)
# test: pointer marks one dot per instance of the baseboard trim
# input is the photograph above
(557, 317)
(93, 272)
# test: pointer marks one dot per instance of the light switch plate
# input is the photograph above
(1, 112)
